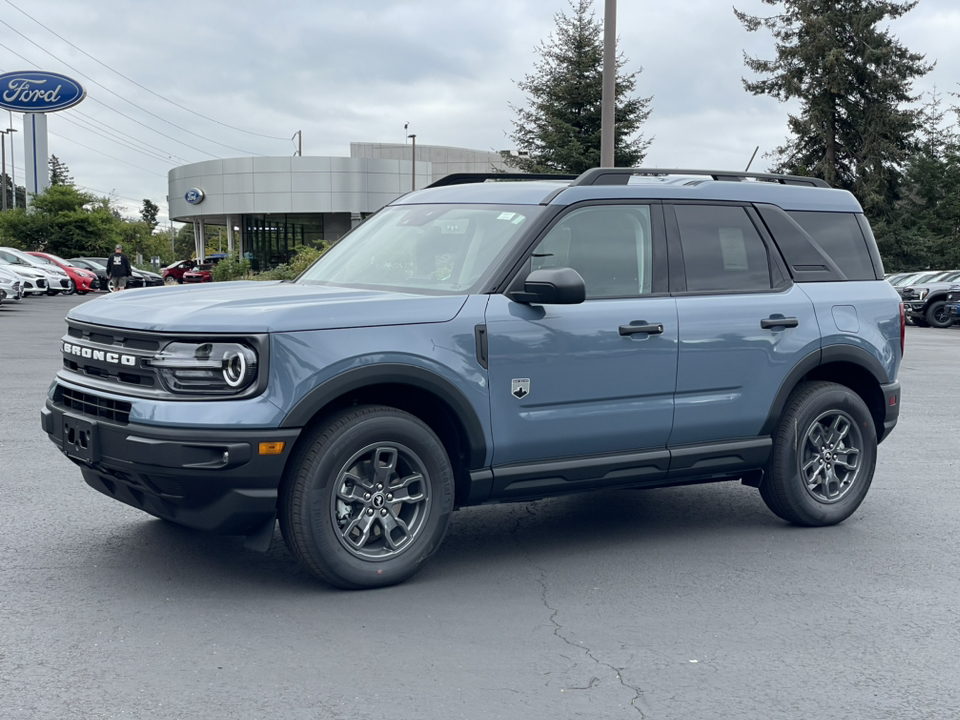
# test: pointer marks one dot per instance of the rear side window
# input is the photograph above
(840, 237)
(722, 250)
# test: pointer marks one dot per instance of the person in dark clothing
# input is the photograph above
(119, 269)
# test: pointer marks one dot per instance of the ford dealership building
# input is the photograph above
(269, 205)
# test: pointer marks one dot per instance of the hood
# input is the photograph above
(258, 307)
(27, 272)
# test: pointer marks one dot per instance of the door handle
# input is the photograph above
(775, 322)
(641, 327)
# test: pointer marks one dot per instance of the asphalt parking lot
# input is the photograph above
(675, 604)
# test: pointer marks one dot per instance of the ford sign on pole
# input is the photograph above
(36, 93)
(32, 91)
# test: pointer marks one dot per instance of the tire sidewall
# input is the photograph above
(318, 479)
(931, 315)
(802, 507)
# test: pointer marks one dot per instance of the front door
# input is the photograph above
(571, 382)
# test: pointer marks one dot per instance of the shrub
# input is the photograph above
(232, 267)
(304, 258)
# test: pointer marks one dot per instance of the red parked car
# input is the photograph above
(173, 274)
(83, 281)
(200, 274)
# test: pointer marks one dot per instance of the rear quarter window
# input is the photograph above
(841, 238)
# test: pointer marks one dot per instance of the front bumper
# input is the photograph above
(212, 480)
(914, 308)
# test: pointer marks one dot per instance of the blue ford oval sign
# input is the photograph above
(194, 196)
(32, 91)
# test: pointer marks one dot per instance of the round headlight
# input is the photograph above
(235, 367)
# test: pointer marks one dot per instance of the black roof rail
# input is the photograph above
(621, 176)
(469, 178)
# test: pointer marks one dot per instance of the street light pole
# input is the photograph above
(608, 101)
(413, 162)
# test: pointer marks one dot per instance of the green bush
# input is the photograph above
(232, 267)
(304, 258)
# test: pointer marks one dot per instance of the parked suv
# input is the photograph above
(494, 342)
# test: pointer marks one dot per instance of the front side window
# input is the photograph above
(722, 250)
(433, 248)
(611, 246)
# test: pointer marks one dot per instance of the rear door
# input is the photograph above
(744, 325)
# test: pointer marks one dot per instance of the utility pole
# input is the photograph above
(608, 100)
(413, 162)
(3, 172)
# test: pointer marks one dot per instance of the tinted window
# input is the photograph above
(610, 246)
(840, 237)
(722, 250)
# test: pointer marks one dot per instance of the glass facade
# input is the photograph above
(272, 239)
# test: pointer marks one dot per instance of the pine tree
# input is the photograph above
(59, 172)
(855, 128)
(559, 130)
(148, 213)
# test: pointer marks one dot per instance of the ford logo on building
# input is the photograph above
(31, 91)
(194, 196)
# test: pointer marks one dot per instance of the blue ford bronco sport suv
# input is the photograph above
(499, 341)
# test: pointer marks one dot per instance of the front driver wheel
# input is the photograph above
(169, 280)
(368, 499)
(71, 288)
(824, 456)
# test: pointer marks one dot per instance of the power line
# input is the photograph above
(182, 107)
(130, 102)
(93, 120)
(106, 154)
(153, 155)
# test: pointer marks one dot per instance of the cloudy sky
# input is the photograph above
(175, 82)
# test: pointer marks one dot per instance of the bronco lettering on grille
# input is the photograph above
(101, 355)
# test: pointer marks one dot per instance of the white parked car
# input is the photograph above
(57, 278)
(11, 286)
(34, 281)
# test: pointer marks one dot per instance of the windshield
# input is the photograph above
(432, 248)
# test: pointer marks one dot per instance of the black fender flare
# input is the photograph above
(824, 356)
(399, 374)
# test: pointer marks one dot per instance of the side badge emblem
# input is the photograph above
(520, 387)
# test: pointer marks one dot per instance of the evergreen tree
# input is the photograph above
(6, 182)
(924, 231)
(855, 128)
(59, 172)
(559, 130)
(148, 213)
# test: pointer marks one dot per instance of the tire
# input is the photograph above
(110, 286)
(936, 314)
(919, 322)
(71, 288)
(169, 280)
(797, 486)
(336, 513)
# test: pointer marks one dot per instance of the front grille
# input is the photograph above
(117, 411)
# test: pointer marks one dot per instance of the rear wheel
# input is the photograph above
(368, 498)
(824, 456)
(937, 315)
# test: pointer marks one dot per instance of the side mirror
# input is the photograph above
(552, 286)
